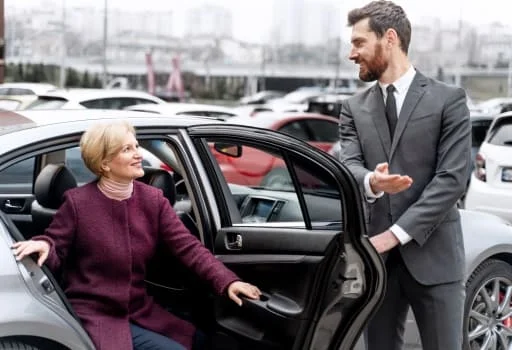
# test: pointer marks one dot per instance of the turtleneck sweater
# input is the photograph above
(115, 190)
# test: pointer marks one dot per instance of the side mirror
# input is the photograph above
(228, 149)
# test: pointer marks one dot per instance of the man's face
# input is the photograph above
(368, 52)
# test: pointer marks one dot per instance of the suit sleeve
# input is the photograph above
(190, 251)
(449, 180)
(60, 234)
(350, 153)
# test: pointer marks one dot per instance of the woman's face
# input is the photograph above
(127, 164)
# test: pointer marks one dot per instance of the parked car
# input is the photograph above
(25, 89)
(255, 167)
(261, 97)
(92, 99)
(192, 109)
(12, 103)
(306, 249)
(490, 189)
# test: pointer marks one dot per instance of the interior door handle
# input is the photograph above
(234, 241)
(13, 205)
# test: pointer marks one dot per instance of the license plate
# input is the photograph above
(506, 175)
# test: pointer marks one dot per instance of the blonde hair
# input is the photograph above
(101, 142)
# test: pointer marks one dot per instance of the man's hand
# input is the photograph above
(384, 241)
(382, 181)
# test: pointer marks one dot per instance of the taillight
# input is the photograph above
(480, 167)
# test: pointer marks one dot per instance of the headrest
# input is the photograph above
(51, 183)
(161, 179)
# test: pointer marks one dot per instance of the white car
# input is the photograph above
(193, 109)
(23, 89)
(92, 99)
(490, 189)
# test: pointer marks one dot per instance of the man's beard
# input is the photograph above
(374, 68)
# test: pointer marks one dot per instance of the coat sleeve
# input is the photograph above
(350, 153)
(449, 181)
(190, 251)
(60, 234)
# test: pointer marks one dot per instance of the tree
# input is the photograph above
(86, 83)
(96, 83)
(72, 78)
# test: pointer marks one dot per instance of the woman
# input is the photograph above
(104, 234)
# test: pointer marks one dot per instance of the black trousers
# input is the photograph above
(438, 310)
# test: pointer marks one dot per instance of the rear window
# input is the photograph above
(478, 131)
(47, 103)
(501, 134)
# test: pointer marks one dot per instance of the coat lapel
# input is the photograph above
(414, 94)
(377, 111)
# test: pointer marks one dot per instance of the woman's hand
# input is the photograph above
(243, 288)
(24, 248)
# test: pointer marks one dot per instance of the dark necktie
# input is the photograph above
(391, 114)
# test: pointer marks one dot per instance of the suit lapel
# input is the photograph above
(414, 94)
(377, 111)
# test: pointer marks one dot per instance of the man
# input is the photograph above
(406, 140)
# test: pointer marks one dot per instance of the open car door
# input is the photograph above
(301, 239)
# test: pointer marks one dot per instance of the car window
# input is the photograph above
(113, 102)
(77, 166)
(18, 178)
(296, 129)
(478, 131)
(138, 101)
(47, 103)
(323, 130)
(261, 184)
(502, 134)
(18, 91)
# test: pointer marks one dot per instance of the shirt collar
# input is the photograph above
(403, 83)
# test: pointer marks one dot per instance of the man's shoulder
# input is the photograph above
(361, 95)
(438, 85)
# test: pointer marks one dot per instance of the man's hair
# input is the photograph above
(382, 16)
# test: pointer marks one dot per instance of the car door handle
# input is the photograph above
(13, 205)
(234, 241)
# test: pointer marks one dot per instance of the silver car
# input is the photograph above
(304, 245)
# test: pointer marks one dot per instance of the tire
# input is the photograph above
(277, 179)
(483, 318)
(6, 344)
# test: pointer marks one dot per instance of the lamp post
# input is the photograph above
(105, 24)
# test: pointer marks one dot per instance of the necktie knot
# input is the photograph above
(390, 89)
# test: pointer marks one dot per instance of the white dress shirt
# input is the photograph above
(401, 87)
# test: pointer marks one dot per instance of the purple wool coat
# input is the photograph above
(104, 245)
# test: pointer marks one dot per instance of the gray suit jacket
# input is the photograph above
(432, 145)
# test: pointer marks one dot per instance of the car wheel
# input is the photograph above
(15, 345)
(487, 310)
(277, 179)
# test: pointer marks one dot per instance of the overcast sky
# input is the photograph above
(251, 18)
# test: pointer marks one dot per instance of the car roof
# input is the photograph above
(171, 107)
(267, 119)
(79, 95)
(12, 121)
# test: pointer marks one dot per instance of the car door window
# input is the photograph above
(323, 130)
(296, 129)
(18, 178)
(269, 187)
(77, 166)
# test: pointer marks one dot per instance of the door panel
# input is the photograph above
(296, 240)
